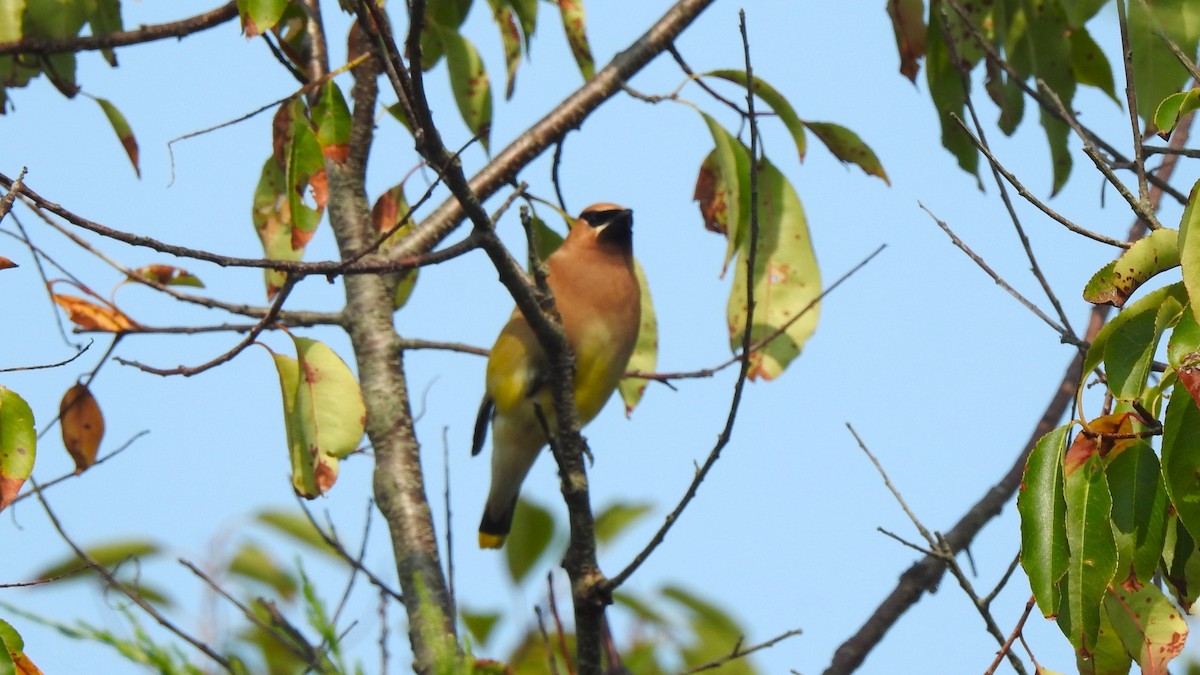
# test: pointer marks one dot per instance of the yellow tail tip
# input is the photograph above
(490, 540)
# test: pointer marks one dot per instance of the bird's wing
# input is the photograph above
(481, 424)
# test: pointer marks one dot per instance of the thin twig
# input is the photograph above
(1064, 335)
(135, 597)
(942, 550)
(1030, 197)
(55, 481)
(550, 660)
(559, 631)
(251, 336)
(1007, 646)
(740, 652)
(79, 353)
(749, 259)
(303, 651)
(765, 340)
(1131, 105)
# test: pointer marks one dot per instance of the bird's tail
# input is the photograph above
(494, 529)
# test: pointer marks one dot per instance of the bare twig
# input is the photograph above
(187, 371)
(1029, 196)
(55, 481)
(550, 660)
(77, 354)
(131, 593)
(749, 259)
(1065, 335)
(1007, 646)
(742, 652)
(942, 550)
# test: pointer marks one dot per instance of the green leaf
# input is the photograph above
(946, 90)
(1049, 52)
(260, 16)
(1189, 247)
(1107, 657)
(254, 563)
(848, 147)
(786, 280)
(469, 81)
(1181, 564)
(272, 222)
(1130, 340)
(10, 643)
(527, 542)
(1156, 71)
(1139, 512)
(545, 240)
(723, 187)
(1150, 627)
(18, 444)
(1181, 457)
(124, 133)
(480, 624)
(10, 20)
(510, 39)
(776, 100)
(61, 19)
(575, 24)
(1172, 108)
(105, 20)
(332, 117)
(908, 23)
(305, 168)
(297, 527)
(1093, 552)
(328, 400)
(1043, 509)
(1089, 65)
(1116, 281)
(616, 518)
(108, 555)
(527, 14)
(645, 351)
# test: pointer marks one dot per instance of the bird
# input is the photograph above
(597, 295)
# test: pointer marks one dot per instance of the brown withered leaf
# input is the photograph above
(713, 200)
(82, 425)
(91, 316)
(5, 263)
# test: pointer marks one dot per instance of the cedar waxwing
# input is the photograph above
(597, 294)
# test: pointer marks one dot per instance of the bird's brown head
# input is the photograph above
(605, 225)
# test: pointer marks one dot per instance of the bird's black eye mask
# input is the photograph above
(599, 218)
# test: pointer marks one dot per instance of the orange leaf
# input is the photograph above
(1106, 436)
(82, 426)
(5, 263)
(90, 316)
(24, 665)
(167, 275)
(9, 487)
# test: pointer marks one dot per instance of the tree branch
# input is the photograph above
(82, 43)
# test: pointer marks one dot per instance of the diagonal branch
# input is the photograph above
(925, 575)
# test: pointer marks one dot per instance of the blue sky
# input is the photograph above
(941, 372)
